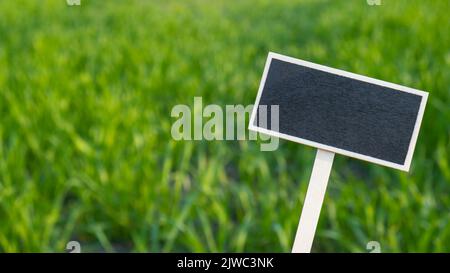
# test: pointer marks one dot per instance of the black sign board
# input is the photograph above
(341, 112)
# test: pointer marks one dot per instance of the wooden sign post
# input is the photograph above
(337, 112)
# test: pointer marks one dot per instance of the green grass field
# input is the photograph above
(86, 152)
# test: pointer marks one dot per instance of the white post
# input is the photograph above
(313, 202)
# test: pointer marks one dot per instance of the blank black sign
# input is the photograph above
(341, 111)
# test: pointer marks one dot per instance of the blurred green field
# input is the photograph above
(86, 152)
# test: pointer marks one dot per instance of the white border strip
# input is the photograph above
(405, 167)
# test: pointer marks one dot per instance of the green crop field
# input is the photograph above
(86, 151)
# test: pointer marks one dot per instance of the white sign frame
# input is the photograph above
(404, 167)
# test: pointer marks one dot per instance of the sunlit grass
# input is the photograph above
(86, 152)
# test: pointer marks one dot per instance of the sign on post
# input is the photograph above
(337, 112)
